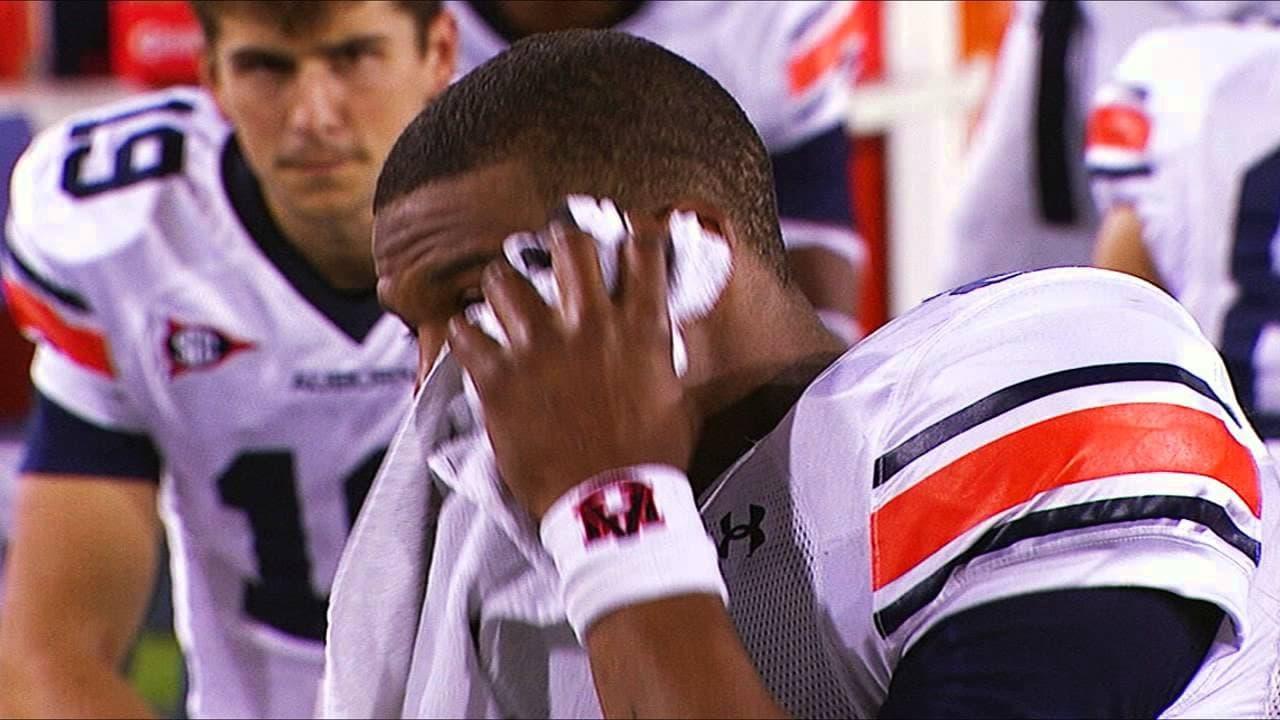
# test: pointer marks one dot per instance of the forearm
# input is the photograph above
(35, 684)
(80, 571)
(1120, 246)
(675, 657)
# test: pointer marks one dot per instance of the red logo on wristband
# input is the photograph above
(618, 510)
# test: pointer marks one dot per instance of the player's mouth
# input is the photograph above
(316, 167)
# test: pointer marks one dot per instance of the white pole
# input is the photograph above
(925, 149)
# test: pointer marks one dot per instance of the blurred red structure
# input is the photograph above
(17, 47)
(154, 42)
(981, 25)
(15, 387)
(867, 175)
(15, 352)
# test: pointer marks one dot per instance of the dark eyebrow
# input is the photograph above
(248, 56)
(459, 265)
(351, 44)
(256, 56)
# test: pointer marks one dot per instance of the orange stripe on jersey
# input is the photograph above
(1079, 446)
(84, 347)
(806, 68)
(1123, 127)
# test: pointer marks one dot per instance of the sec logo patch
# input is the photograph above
(199, 347)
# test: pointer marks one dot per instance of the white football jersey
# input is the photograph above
(995, 441)
(1185, 135)
(165, 303)
(997, 224)
(788, 65)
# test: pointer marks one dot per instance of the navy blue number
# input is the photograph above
(126, 172)
(125, 169)
(1258, 302)
(263, 485)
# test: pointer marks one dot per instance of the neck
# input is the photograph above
(338, 248)
(772, 356)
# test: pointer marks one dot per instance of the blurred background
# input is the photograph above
(921, 74)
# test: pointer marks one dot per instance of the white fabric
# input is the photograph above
(1206, 92)
(713, 35)
(464, 467)
(811, 547)
(294, 412)
(842, 326)
(996, 225)
(843, 242)
(662, 557)
(392, 536)
(700, 266)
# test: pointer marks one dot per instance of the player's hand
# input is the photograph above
(585, 387)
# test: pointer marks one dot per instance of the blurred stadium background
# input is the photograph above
(923, 70)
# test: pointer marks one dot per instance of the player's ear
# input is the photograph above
(207, 71)
(441, 50)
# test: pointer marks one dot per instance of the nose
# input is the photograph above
(319, 103)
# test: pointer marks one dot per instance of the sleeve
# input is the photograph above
(1142, 127)
(1070, 429)
(85, 417)
(815, 198)
(795, 84)
(1101, 652)
(60, 442)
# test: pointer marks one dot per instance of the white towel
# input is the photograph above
(377, 618)
(381, 580)
(700, 264)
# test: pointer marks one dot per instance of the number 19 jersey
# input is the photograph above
(1187, 135)
(172, 318)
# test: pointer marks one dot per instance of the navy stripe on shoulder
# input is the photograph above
(65, 296)
(1002, 401)
(1119, 173)
(1073, 517)
(60, 442)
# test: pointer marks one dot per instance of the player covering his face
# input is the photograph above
(1008, 502)
(194, 266)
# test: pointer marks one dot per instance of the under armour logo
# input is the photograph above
(751, 530)
(618, 510)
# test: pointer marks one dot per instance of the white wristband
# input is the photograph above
(628, 536)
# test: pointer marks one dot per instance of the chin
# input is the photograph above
(330, 202)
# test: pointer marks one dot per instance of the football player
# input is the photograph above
(1185, 157)
(194, 266)
(1024, 201)
(1033, 496)
(787, 63)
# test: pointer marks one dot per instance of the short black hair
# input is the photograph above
(293, 17)
(602, 113)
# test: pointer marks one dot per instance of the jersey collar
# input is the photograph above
(354, 313)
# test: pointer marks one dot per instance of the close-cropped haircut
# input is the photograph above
(601, 113)
(293, 17)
